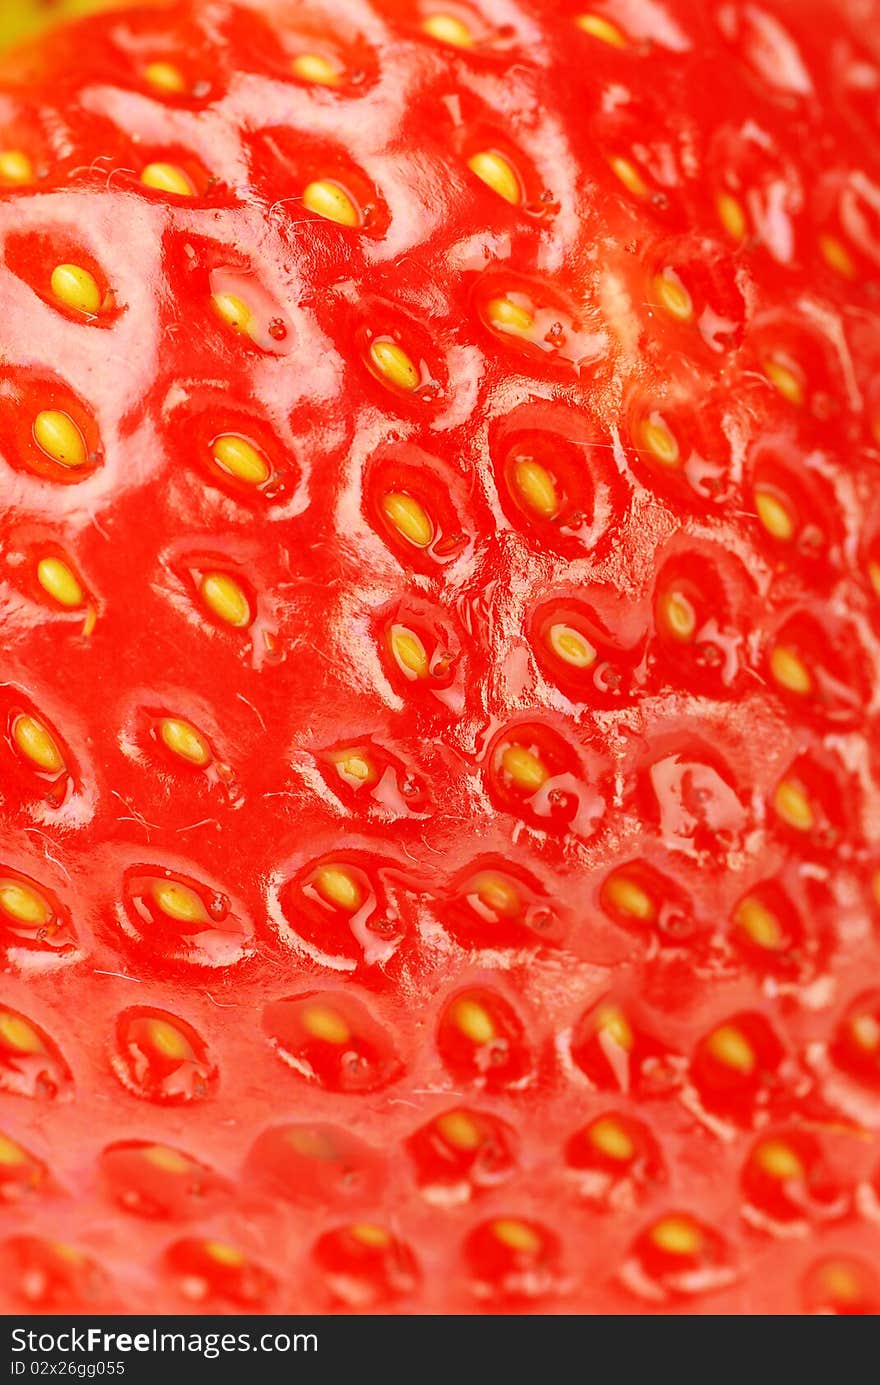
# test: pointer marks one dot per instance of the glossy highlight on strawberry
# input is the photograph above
(439, 581)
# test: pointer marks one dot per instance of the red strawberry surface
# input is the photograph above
(439, 582)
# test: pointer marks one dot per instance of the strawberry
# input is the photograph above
(440, 864)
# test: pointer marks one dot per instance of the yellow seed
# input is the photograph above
(165, 77)
(790, 672)
(59, 437)
(628, 897)
(369, 1235)
(234, 312)
(474, 1021)
(326, 1024)
(167, 1040)
(394, 365)
(16, 169)
(332, 202)
(17, 1034)
(167, 178)
(60, 582)
(67, 1252)
(166, 1159)
(842, 1281)
(179, 902)
(409, 652)
(613, 1024)
(497, 894)
(762, 926)
(730, 1046)
(11, 1153)
(313, 1143)
(865, 1030)
(610, 1137)
(874, 576)
(224, 1254)
(537, 487)
(509, 317)
(526, 769)
(731, 215)
(660, 441)
(37, 744)
(183, 739)
(459, 1129)
(775, 516)
(629, 175)
(409, 518)
(314, 68)
(679, 616)
(497, 173)
(517, 1235)
(598, 27)
(339, 887)
(677, 1236)
(837, 257)
(354, 764)
(785, 380)
(24, 904)
(571, 646)
(673, 296)
(240, 459)
(779, 1160)
(226, 599)
(792, 803)
(446, 28)
(76, 288)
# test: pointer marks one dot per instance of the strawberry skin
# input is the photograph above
(440, 574)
